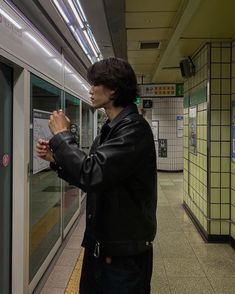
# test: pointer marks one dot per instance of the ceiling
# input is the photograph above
(180, 27)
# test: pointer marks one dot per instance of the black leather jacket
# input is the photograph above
(119, 176)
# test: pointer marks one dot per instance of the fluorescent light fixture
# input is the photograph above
(61, 11)
(90, 43)
(76, 14)
(89, 56)
(81, 10)
(38, 43)
(10, 19)
(79, 39)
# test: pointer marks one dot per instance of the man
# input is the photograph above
(119, 176)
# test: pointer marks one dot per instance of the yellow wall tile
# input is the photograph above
(225, 149)
(233, 183)
(215, 164)
(225, 133)
(224, 228)
(233, 197)
(225, 180)
(233, 230)
(215, 180)
(225, 117)
(233, 213)
(215, 55)
(225, 211)
(233, 167)
(225, 88)
(215, 133)
(215, 227)
(215, 210)
(215, 195)
(215, 149)
(226, 54)
(226, 70)
(225, 195)
(225, 101)
(215, 86)
(215, 117)
(204, 132)
(215, 70)
(215, 102)
(225, 164)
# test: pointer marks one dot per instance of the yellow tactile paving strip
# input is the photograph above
(73, 284)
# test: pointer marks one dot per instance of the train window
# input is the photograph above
(71, 194)
(45, 187)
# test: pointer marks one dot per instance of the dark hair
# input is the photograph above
(115, 74)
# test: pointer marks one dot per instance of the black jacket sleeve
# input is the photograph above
(111, 162)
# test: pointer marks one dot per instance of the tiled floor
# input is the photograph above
(183, 262)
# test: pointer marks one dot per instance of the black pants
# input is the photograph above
(124, 275)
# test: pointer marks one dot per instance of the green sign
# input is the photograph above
(179, 90)
(137, 102)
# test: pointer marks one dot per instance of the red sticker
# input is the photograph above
(5, 160)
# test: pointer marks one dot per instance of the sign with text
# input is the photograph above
(147, 103)
(161, 90)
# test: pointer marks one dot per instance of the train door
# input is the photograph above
(6, 92)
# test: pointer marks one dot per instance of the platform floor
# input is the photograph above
(183, 262)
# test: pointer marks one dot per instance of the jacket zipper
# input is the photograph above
(97, 250)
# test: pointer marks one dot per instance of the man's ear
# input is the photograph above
(112, 92)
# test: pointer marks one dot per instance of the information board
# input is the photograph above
(40, 131)
(179, 126)
(193, 130)
(162, 147)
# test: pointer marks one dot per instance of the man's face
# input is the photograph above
(100, 96)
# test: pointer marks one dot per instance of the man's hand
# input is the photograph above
(43, 150)
(58, 122)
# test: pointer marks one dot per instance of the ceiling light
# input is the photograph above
(79, 40)
(76, 13)
(10, 19)
(91, 45)
(61, 11)
(81, 10)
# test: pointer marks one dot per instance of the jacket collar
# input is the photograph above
(131, 108)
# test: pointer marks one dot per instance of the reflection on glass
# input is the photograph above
(87, 127)
(45, 186)
(71, 193)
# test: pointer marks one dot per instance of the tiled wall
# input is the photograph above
(166, 110)
(208, 174)
(233, 163)
(195, 165)
(220, 139)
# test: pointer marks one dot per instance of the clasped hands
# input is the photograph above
(58, 123)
